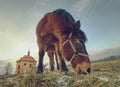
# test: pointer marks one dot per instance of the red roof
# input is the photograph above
(28, 58)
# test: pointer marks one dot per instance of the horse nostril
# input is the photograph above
(84, 73)
(89, 70)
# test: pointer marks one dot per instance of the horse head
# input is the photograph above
(74, 50)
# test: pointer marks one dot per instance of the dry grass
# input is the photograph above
(104, 74)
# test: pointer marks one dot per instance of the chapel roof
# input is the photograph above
(27, 58)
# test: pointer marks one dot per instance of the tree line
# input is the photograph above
(107, 58)
(7, 70)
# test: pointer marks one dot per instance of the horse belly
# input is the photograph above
(50, 40)
(50, 47)
(49, 29)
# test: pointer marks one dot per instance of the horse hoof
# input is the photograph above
(39, 72)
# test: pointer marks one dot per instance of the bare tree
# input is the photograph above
(0, 72)
(8, 68)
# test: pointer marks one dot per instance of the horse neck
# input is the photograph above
(63, 38)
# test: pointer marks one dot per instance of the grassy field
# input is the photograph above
(104, 74)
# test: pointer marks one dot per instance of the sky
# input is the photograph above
(100, 20)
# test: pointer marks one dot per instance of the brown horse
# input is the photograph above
(58, 32)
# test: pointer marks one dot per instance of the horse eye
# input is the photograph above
(82, 41)
(78, 47)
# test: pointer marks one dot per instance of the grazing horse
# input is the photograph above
(58, 32)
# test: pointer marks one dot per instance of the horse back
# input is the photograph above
(53, 23)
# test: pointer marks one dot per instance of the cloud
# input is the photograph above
(18, 23)
(15, 39)
(17, 32)
(81, 5)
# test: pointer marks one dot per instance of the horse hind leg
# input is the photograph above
(40, 64)
(51, 57)
(56, 58)
(41, 53)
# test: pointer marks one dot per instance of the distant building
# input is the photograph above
(26, 64)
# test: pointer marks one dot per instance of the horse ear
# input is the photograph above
(77, 25)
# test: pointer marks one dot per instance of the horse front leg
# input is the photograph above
(40, 64)
(62, 62)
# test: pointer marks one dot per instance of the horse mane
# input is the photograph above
(68, 17)
(84, 37)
